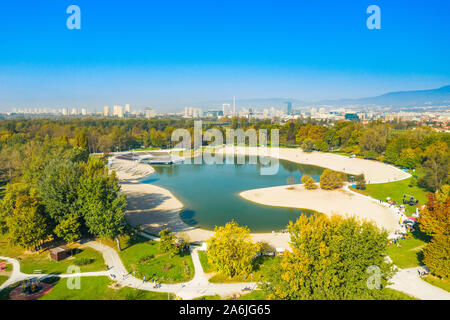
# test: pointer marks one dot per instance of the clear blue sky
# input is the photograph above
(169, 54)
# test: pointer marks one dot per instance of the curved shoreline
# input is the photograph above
(154, 208)
(339, 202)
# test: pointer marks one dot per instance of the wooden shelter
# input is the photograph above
(60, 253)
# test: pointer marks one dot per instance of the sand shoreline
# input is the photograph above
(154, 208)
(339, 202)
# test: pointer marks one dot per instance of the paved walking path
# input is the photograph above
(197, 287)
(405, 280)
(409, 281)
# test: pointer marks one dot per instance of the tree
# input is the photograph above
(59, 189)
(231, 250)
(102, 205)
(436, 166)
(330, 180)
(68, 229)
(8, 203)
(332, 258)
(309, 182)
(27, 225)
(436, 255)
(435, 217)
(307, 145)
(167, 242)
(360, 181)
(435, 221)
(321, 146)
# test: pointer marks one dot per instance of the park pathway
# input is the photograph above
(197, 287)
(409, 282)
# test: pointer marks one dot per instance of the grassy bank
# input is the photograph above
(261, 265)
(438, 282)
(94, 288)
(395, 191)
(410, 254)
(86, 258)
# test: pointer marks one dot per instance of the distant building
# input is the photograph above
(149, 113)
(288, 108)
(214, 113)
(351, 116)
(118, 111)
(226, 109)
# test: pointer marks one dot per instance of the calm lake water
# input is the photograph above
(210, 193)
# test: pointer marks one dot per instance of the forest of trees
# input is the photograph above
(401, 144)
(57, 191)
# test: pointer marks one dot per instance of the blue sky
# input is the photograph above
(169, 54)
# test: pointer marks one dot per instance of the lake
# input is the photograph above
(210, 193)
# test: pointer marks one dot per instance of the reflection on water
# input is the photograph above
(210, 193)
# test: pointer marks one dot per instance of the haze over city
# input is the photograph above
(168, 56)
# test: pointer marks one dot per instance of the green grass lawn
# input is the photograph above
(207, 268)
(410, 254)
(3, 279)
(29, 262)
(41, 261)
(438, 282)
(391, 294)
(215, 297)
(254, 295)
(144, 258)
(93, 288)
(261, 264)
(396, 190)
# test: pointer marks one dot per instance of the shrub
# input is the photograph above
(146, 259)
(309, 182)
(360, 182)
(83, 261)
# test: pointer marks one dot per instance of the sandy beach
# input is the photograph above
(374, 171)
(339, 202)
(154, 208)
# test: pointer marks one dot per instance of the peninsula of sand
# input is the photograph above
(153, 208)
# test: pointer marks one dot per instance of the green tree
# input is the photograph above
(231, 250)
(27, 225)
(360, 182)
(436, 166)
(332, 258)
(321, 146)
(59, 189)
(330, 180)
(69, 229)
(167, 242)
(307, 145)
(309, 182)
(102, 205)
